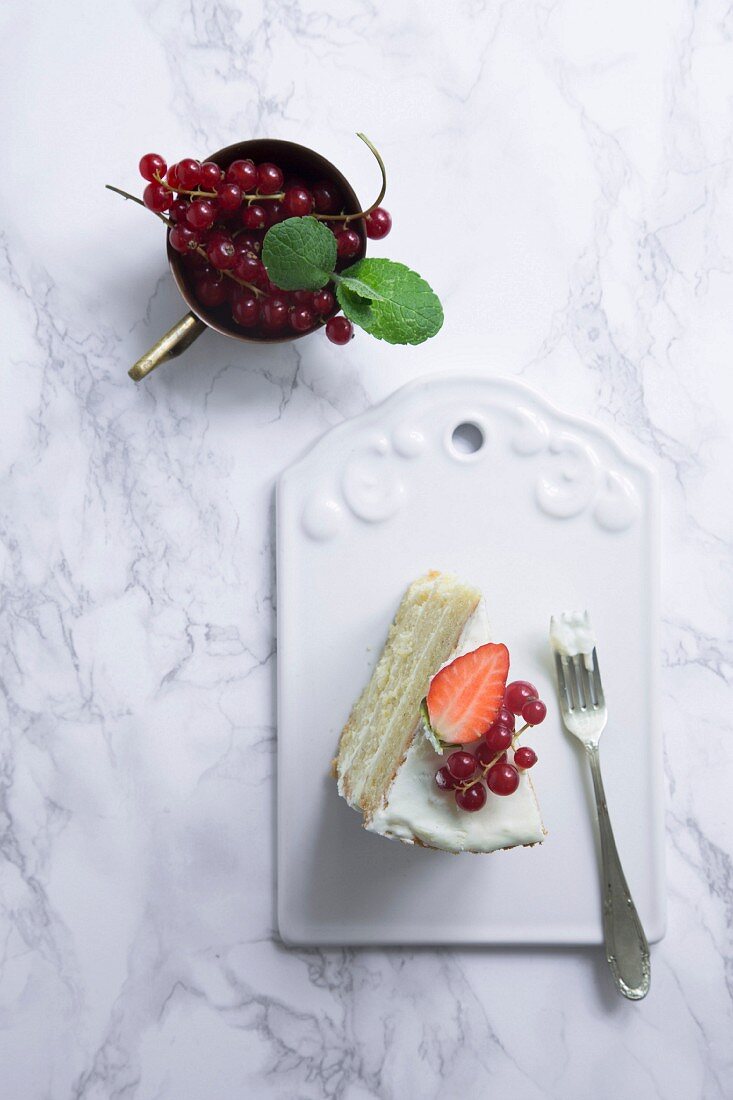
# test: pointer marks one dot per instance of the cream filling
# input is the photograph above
(416, 810)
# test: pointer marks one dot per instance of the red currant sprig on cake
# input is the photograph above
(465, 772)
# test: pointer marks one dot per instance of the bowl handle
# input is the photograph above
(176, 340)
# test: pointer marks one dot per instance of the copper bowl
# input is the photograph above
(295, 160)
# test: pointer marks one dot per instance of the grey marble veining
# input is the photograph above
(563, 174)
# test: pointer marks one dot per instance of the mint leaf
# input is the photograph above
(356, 308)
(407, 311)
(299, 254)
(356, 286)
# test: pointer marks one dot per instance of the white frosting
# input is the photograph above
(571, 635)
(416, 810)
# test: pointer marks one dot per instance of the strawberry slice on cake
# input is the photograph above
(465, 696)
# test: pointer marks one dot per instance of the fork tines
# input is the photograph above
(580, 686)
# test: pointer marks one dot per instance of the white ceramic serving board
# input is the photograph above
(550, 513)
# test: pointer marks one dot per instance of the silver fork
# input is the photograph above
(584, 713)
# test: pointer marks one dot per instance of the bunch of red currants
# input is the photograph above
(465, 772)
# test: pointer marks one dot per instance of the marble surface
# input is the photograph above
(562, 172)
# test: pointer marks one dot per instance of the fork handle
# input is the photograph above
(627, 950)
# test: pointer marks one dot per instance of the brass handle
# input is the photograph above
(176, 340)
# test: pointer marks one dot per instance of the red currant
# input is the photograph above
(247, 242)
(188, 172)
(303, 298)
(201, 214)
(323, 302)
(216, 233)
(172, 177)
(301, 319)
(247, 267)
(461, 765)
(245, 309)
(444, 781)
(525, 757)
(152, 165)
(378, 223)
(196, 262)
(267, 284)
(534, 712)
(243, 173)
(503, 779)
(339, 330)
(269, 179)
(254, 217)
(518, 693)
(471, 798)
(274, 313)
(210, 176)
(211, 290)
(229, 197)
(275, 212)
(178, 210)
(297, 202)
(183, 238)
(497, 738)
(221, 253)
(348, 243)
(505, 717)
(485, 755)
(326, 198)
(157, 197)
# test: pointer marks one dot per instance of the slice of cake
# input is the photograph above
(429, 753)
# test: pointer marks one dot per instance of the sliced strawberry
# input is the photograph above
(465, 696)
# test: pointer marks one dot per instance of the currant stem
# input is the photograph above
(201, 251)
(362, 213)
(127, 195)
(257, 197)
(241, 282)
(249, 199)
(182, 191)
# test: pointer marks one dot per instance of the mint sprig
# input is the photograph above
(385, 298)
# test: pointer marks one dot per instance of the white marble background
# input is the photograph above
(562, 171)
